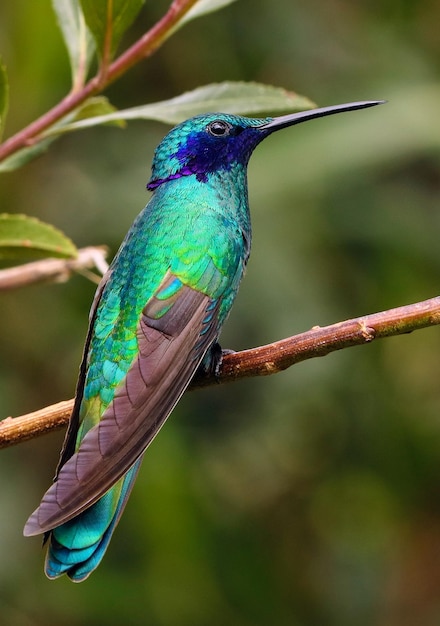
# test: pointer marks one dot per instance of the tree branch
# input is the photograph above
(58, 270)
(261, 361)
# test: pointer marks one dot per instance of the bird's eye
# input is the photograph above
(219, 128)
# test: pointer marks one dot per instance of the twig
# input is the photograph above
(54, 269)
(141, 49)
(16, 430)
(262, 361)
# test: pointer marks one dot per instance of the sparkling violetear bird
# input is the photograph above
(155, 319)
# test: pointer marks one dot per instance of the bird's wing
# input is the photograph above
(176, 327)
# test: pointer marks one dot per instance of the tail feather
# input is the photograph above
(77, 547)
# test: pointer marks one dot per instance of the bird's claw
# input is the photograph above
(211, 364)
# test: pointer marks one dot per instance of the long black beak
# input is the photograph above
(296, 118)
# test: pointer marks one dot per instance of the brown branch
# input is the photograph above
(262, 361)
(141, 49)
(58, 270)
(18, 429)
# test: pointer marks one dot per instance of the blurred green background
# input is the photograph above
(311, 497)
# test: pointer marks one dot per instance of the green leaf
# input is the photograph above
(23, 237)
(202, 7)
(77, 37)
(110, 19)
(93, 107)
(228, 97)
(4, 96)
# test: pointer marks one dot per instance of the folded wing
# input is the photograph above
(175, 329)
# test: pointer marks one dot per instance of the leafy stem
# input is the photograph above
(107, 74)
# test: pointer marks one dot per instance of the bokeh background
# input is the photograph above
(310, 497)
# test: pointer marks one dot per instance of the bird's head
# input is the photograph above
(217, 141)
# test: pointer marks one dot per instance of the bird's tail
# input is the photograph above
(76, 547)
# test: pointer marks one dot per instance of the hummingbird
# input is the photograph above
(154, 321)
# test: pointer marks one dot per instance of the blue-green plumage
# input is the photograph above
(155, 318)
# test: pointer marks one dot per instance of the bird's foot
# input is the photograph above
(211, 363)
